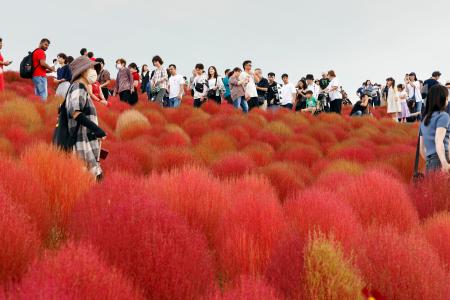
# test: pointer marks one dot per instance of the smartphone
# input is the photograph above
(103, 154)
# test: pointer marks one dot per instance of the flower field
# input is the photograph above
(214, 204)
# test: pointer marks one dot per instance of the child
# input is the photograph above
(402, 97)
(311, 102)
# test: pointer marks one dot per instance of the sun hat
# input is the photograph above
(79, 65)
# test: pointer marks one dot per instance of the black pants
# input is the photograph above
(229, 100)
(216, 99)
(105, 92)
(253, 102)
(336, 106)
(198, 103)
(134, 98)
(288, 106)
(125, 96)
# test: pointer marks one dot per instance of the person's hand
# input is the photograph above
(7, 63)
(104, 102)
(446, 168)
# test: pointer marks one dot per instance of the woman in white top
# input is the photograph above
(215, 84)
(393, 105)
(414, 92)
(334, 92)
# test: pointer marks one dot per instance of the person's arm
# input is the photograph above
(440, 148)
(44, 64)
(130, 79)
(180, 96)
(422, 149)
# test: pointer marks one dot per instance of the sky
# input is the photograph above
(359, 39)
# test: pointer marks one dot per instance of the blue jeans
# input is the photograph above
(40, 87)
(174, 102)
(148, 90)
(357, 113)
(240, 102)
(419, 109)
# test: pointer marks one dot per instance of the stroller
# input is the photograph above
(323, 104)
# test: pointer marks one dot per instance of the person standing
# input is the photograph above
(273, 96)
(124, 81)
(226, 84)
(288, 93)
(300, 100)
(434, 131)
(3, 63)
(251, 94)
(262, 86)
(402, 99)
(104, 78)
(145, 79)
(429, 83)
(312, 86)
(215, 84)
(160, 80)
(324, 81)
(393, 105)
(237, 90)
(82, 115)
(199, 86)
(334, 92)
(135, 73)
(63, 76)
(414, 93)
(176, 87)
(41, 68)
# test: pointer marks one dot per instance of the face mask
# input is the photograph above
(91, 76)
(119, 66)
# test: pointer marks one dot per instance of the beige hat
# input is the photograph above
(79, 65)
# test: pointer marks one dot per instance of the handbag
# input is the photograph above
(212, 93)
(417, 176)
(412, 102)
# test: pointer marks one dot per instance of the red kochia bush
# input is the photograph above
(249, 229)
(402, 267)
(140, 236)
(378, 198)
(63, 176)
(437, 231)
(315, 210)
(248, 288)
(286, 269)
(193, 193)
(432, 194)
(25, 190)
(232, 165)
(74, 272)
(19, 242)
(285, 178)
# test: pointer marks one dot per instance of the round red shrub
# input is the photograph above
(316, 210)
(304, 154)
(248, 230)
(193, 193)
(436, 230)
(232, 165)
(285, 178)
(285, 271)
(378, 198)
(74, 272)
(402, 267)
(143, 238)
(432, 194)
(23, 189)
(19, 242)
(171, 158)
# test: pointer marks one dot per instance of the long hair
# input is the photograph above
(436, 101)
(215, 72)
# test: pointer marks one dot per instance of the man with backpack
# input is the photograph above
(40, 69)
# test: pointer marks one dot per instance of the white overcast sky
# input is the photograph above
(359, 39)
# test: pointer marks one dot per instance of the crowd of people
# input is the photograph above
(85, 79)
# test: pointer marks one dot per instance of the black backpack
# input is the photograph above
(27, 67)
(62, 137)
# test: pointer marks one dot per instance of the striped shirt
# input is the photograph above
(160, 79)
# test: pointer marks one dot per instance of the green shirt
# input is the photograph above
(311, 102)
